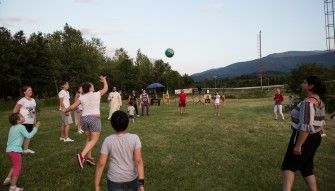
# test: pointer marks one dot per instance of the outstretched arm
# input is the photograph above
(105, 88)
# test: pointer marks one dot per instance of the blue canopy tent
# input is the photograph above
(154, 86)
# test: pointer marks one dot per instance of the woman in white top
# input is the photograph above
(90, 119)
(26, 106)
(217, 99)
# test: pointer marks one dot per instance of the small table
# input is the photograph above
(156, 101)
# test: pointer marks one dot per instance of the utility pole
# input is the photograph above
(260, 64)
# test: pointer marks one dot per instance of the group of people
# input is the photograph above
(218, 101)
(122, 150)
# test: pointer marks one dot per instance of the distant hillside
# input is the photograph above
(278, 62)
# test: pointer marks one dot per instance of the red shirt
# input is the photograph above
(278, 98)
(182, 97)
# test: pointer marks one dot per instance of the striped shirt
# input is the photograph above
(308, 117)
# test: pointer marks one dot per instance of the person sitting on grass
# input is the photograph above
(123, 151)
(16, 135)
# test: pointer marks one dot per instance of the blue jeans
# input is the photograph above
(123, 186)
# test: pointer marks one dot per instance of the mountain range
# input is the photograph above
(278, 63)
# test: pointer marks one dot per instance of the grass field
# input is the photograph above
(242, 149)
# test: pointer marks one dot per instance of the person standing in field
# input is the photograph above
(90, 119)
(133, 98)
(122, 150)
(77, 113)
(131, 110)
(217, 101)
(145, 102)
(308, 117)
(16, 135)
(278, 108)
(26, 106)
(114, 102)
(182, 102)
(64, 103)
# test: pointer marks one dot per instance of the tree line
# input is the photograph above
(44, 60)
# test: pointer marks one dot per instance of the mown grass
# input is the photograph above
(242, 149)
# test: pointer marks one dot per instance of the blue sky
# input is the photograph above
(204, 34)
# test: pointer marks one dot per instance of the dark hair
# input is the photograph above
(13, 118)
(319, 88)
(24, 89)
(86, 87)
(62, 83)
(119, 121)
(78, 88)
(131, 103)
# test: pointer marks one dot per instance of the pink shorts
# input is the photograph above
(16, 160)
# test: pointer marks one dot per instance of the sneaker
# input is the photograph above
(61, 139)
(28, 151)
(138, 115)
(90, 161)
(68, 140)
(323, 135)
(14, 188)
(80, 131)
(7, 181)
(81, 160)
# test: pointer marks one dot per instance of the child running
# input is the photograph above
(16, 135)
(122, 150)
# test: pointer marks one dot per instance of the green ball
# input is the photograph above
(169, 52)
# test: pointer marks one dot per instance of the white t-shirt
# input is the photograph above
(66, 98)
(120, 151)
(217, 99)
(131, 110)
(91, 103)
(28, 110)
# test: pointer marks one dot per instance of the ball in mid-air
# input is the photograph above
(169, 52)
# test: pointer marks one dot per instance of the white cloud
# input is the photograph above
(213, 7)
(18, 19)
(95, 33)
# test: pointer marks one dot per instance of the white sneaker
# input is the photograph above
(323, 135)
(68, 140)
(138, 115)
(61, 139)
(7, 181)
(80, 131)
(14, 188)
(28, 151)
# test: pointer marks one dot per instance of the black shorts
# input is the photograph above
(29, 127)
(305, 162)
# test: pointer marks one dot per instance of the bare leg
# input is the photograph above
(62, 131)
(13, 181)
(26, 143)
(288, 180)
(66, 131)
(311, 182)
(10, 173)
(91, 140)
